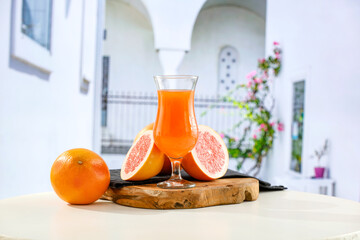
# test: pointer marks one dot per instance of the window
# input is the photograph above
(228, 63)
(105, 90)
(297, 130)
(36, 21)
(31, 33)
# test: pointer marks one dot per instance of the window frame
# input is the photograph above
(25, 49)
(298, 76)
(291, 126)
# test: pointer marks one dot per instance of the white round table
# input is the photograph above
(275, 215)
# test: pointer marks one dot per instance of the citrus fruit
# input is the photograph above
(144, 160)
(79, 176)
(166, 170)
(209, 159)
(147, 127)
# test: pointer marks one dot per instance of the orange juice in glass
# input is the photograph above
(175, 129)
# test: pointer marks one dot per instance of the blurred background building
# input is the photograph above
(79, 74)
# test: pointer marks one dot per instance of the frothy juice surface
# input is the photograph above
(175, 129)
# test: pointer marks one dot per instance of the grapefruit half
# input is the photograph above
(209, 159)
(144, 160)
(166, 170)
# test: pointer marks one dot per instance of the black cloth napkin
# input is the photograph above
(117, 182)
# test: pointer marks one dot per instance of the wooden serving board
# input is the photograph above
(204, 194)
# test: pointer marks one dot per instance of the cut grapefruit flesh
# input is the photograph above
(209, 159)
(144, 160)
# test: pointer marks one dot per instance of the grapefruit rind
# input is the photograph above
(196, 169)
(142, 131)
(151, 164)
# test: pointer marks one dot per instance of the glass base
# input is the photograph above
(176, 184)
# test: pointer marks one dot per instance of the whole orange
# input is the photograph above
(79, 176)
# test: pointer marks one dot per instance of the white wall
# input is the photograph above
(320, 38)
(42, 115)
(215, 28)
(130, 45)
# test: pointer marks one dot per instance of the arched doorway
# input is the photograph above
(220, 24)
(129, 62)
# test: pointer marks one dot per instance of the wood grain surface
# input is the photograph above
(205, 194)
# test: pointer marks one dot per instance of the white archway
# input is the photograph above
(219, 26)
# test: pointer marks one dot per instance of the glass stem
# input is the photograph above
(176, 168)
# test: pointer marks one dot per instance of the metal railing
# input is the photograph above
(126, 113)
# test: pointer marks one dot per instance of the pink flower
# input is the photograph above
(260, 87)
(277, 55)
(276, 43)
(258, 80)
(272, 124)
(222, 135)
(236, 139)
(264, 75)
(251, 74)
(261, 60)
(263, 127)
(249, 84)
(254, 136)
(280, 127)
(251, 95)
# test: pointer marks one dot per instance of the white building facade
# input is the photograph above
(46, 97)
(320, 45)
(51, 101)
